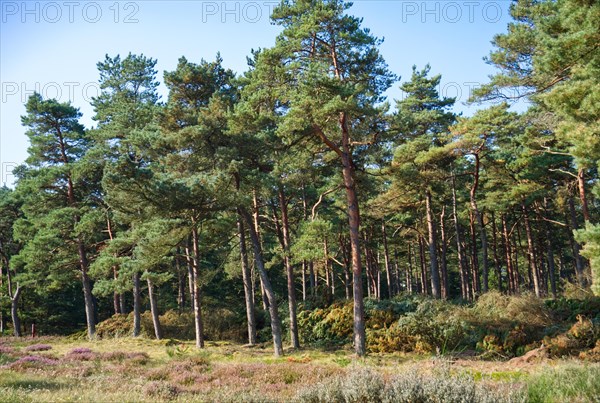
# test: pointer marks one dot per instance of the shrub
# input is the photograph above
(31, 361)
(324, 392)
(583, 335)
(332, 325)
(570, 309)
(6, 350)
(434, 325)
(362, 385)
(161, 390)
(81, 354)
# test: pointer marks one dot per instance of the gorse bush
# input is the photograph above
(581, 339)
(219, 324)
(496, 325)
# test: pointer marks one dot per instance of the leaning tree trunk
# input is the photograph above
(154, 310)
(270, 294)
(137, 305)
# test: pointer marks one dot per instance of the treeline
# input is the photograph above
(296, 180)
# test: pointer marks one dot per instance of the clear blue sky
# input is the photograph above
(53, 47)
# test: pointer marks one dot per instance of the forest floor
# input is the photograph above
(59, 369)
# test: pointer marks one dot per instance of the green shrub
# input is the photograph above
(332, 325)
(434, 326)
(570, 309)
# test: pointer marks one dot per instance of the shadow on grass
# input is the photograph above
(22, 381)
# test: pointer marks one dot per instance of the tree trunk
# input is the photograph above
(476, 284)
(495, 252)
(83, 261)
(433, 256)
(579, 263)
(181, 279)
(258, 259)
(371, 286)
(198, 323)
(190, 271)
(482, 233)
(154, 310)
(535, 272)
(444, 261)
(409, 271)
(291, 286)
(397, 276)
(87, 295)
(304, 280)
(247, 279)
(386, 259)
(346, 259)
(550, 253)
(360, 338)
(582, 197)
(423, 283)
(513, 280)
(14, 311)
(137, 305)
(256, 226)
(464, 278)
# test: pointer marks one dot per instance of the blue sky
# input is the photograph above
(53, 46)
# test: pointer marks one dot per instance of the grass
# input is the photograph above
(143, 370)
(568, 383)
